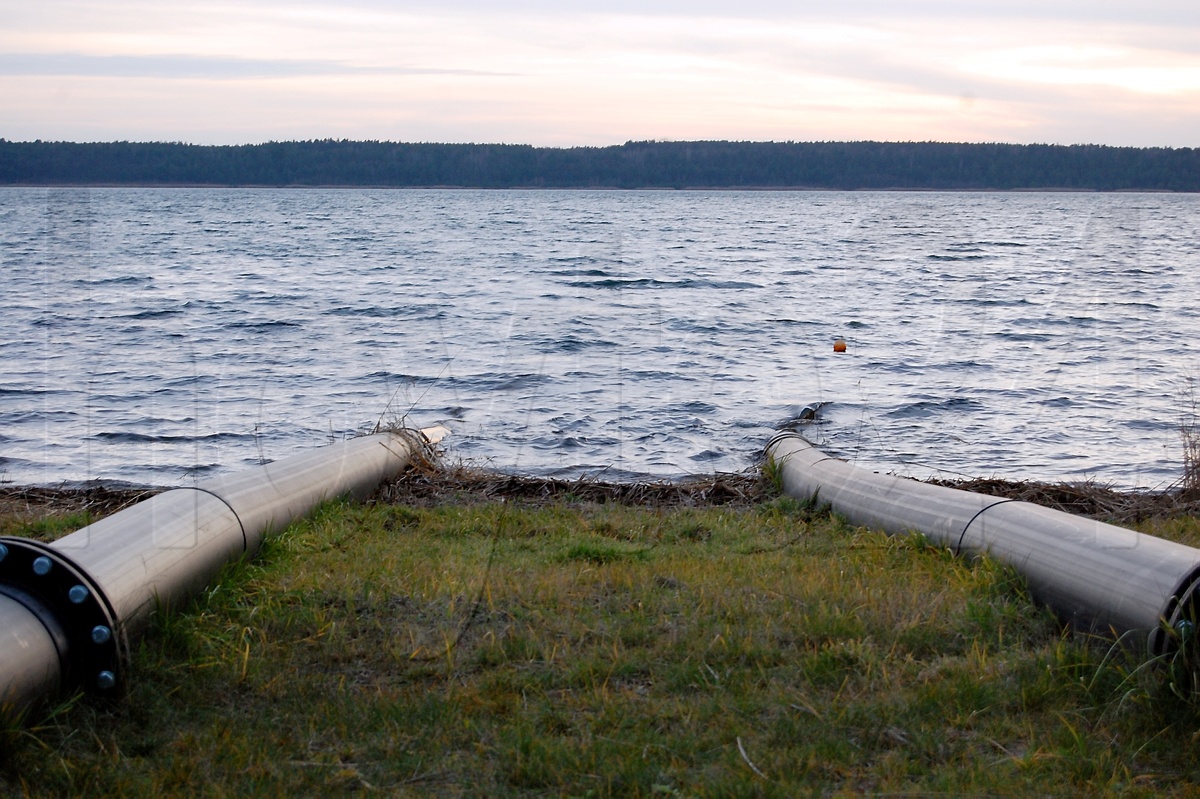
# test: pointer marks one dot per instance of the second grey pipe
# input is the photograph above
(1095, 576)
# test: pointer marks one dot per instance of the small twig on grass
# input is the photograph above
(796, 539)
(426, 777)
(746, 757)
(347, 769)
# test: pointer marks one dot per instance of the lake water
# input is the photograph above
(156, 336)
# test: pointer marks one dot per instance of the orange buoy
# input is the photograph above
(839, 345)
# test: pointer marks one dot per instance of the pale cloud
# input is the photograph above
(194, 67)
(1150, 73)
(590, 73)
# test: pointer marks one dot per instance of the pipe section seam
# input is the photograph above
(245, 538)
(967, 526)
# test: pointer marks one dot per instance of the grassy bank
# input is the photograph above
(452, 639)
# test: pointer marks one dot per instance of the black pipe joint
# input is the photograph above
(92, 649)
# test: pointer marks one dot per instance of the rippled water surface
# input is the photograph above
(157, 335)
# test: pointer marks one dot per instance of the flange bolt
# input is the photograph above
(101, 634)
(78, 594)
(105, 680)
(42, 566)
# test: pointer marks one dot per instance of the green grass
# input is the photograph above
(47, 527)
(600, 650)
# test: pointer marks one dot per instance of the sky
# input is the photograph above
(561, 73)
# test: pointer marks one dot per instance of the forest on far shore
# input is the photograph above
(633, 165)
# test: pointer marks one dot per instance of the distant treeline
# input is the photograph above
(646, 164)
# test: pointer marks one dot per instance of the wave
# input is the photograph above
(660, 374)
(146, 438)
(692, 407)
(262, 324)
(572, 344)
(122, 280)
(486, 381)
(150, 314)
(986, 302)
(960, 366)
(33, 392)
(1009, 335)
(924, 408)
(387, 312)
(796, 322)
(654, 283)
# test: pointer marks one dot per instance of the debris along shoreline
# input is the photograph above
(427, 485)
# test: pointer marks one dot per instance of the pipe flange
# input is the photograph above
(96, 649)
(783, 435)
(1181, 620)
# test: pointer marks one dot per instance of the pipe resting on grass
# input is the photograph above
(69, 608)
(1095, 576)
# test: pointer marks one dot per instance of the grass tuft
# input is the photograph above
(1189, 432)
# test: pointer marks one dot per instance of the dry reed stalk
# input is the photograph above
(431, 486)
(1189, 432)
(98, 500)
(1086, 499)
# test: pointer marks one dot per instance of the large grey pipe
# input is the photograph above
(1095, 576)
(68, 609)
